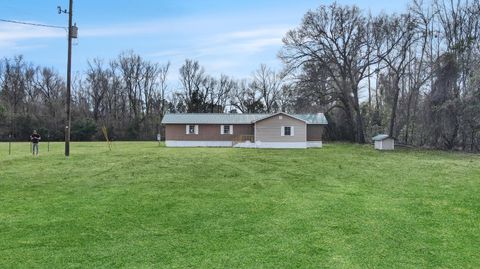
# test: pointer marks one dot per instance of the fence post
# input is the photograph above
(9, 144)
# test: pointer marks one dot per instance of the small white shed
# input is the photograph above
(384, 142)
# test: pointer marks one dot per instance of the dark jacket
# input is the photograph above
(35, 138)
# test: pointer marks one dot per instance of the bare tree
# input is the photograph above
(336, 37)
(220, 97)
(193, 79)
(163, 75)
(51, 87)
(246, 99)
(13, 89)
(268, 83)
(131, 68)
(399, 33)
(419, 71)
(98, 80)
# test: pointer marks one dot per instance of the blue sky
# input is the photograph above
(230, 37)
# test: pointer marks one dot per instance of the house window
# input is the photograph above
(226, 129)
(287, 131)
(191, 129)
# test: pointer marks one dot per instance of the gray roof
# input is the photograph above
(318, 118)
(381, 137)
(234, 118)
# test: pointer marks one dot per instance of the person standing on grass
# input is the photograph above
(35, 138)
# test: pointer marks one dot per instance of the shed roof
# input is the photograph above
(234, 118)
(381, 137)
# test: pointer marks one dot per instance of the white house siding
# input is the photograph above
(387, 144)
(270, 130)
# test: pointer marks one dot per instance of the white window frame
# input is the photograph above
(195, 129)
(230, 130)
(292, 131)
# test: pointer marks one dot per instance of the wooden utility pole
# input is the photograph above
(69, 80)
(72, 33)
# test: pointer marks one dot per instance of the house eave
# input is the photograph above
(279, 113)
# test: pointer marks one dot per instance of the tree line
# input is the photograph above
(128, 95)
(414, 76)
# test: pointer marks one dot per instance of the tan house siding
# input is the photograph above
(206, 132)
(269, 130)
(315, 132)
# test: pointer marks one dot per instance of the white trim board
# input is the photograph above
(246, 144)
(314, 144)
(281, 145)
(186, 144)
(227, 144)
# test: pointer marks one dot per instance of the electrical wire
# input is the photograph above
(33, 24)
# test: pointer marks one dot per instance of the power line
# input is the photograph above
(33, 24)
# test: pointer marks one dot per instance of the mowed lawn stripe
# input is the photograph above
(144, 205)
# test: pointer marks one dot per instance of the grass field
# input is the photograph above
(141, 205)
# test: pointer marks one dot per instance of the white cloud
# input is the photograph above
(120, 30)
(228, 52)
(172, 25)
(248, 41)
(223, 44)
(268, 31)
(12, 34)
(167, 53)
(240, 43)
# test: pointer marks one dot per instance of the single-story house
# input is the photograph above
(279, 130)
(384, 142)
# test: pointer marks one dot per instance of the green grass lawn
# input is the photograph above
(141, 205)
